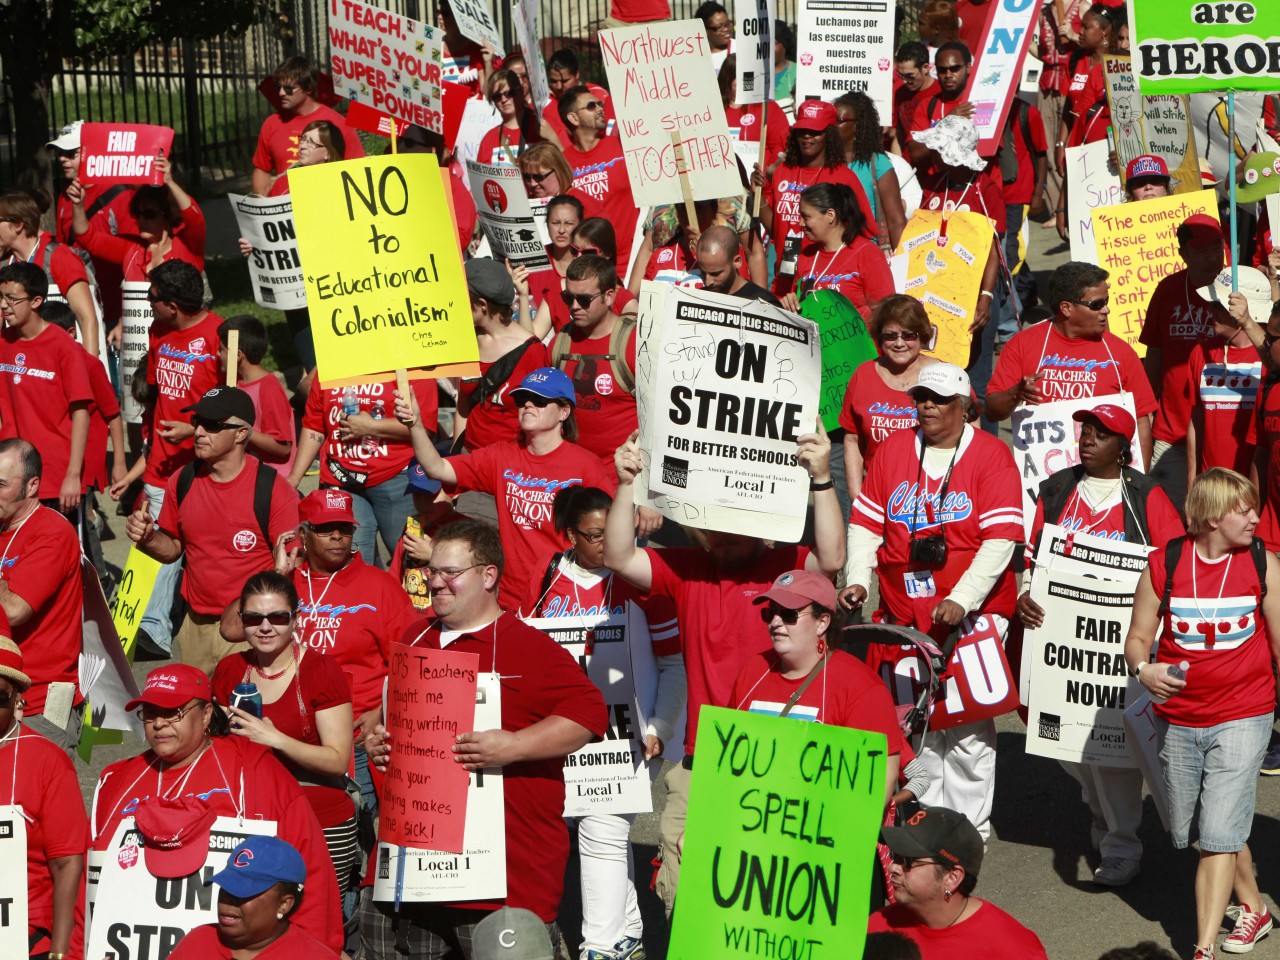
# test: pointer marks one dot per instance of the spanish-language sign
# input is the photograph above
(524, 17)
(1198, 46)
(13, 882)
(135, 337)
(274, 266)
(945, 274)
(662, 82)
(753, 48)
(1046, 439)
(384, 281)
(476, 22)
(845, 45)
(736, 384)
(997, 66)
(431, 698)
(846, 344)
(479, 872)
(386, 61)
(142, 917)
(1080, 683)
(1092, 182)
(783, 820)
(136, 583)
(1137, 243)
(505, 214)
(1154, 125)
(123, 152)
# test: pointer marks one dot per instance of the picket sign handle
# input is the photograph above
(394, 151)
(402, 384)
(677, 145)
(233, 356)
(764, 154)
(1231, 188)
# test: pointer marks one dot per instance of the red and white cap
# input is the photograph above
(815, 115)
(327, 506)
(175, 834)
(797, 589)
(1116, 419)
(171, 686)
(1146, 165)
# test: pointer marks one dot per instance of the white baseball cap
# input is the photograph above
(1253, 283)
(68, 137)
(943, 379)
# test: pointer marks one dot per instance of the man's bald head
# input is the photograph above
(718, 249)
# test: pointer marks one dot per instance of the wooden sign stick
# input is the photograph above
(233, 357)
(677, 144)
(402, 384)
(764, 155)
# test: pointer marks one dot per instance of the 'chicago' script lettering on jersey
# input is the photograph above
(919, 510)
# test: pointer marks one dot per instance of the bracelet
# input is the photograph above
(56, 956)
(819, 487)
(1060, 143)
(987, 293)
(1138, 669)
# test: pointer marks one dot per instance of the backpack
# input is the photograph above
(1173, 553)
(1008, 149)
(262, 486)
(617, 355)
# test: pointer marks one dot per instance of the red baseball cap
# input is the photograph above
(1205, 230)
(171, 686)
(797, 589)
(326, 506)
(1116, 419)
(175, 834)
(1146, 166)
(815, 115)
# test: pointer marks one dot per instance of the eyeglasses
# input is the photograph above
(277, 618)
(789, 617)
(952, 69)
(906, 336)
(314, 144)
(584, 300)
(585, 251)
(907, 863)
(501, 95)
(150, 713)
(13, 301)
(1093, 304)
(448, 574)
(286, 88)
(589, 537)
(590, 105)
(9, 699)
(537, 177)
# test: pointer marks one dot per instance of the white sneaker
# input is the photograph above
(1116, 871)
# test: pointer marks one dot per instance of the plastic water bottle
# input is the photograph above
(1179, 671)
(379, 410)
(350, 402)
(246, 697)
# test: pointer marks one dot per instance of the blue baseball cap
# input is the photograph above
(547, 382)
(419, 481)
(259, 864)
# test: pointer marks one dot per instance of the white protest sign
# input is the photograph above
(748, 152)
(143, 917)
(662, 82)
(845, 45)
(135, 323)
(476, 21)
(411, 875)
(1273, 210)
(524, 16)
(1091, 183)
(997, 68)
(13, 882)
(505, 215)
(753, 48)
(386, 61)
(733, 385)
(105, 674)
(478, 118)
(1140, 730)
(274, 267)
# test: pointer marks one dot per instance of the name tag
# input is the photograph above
(920, 584)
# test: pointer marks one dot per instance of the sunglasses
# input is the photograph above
(67, 154)
(533, 398)
(907, 863)
(954, 69)
(906, 336)
(928, 396)
(286, 88)
(584, 300)
(1093, 304)
(501, 95)
(591, 105)
(585, 251)
(149, 713)
(789, 617)
(537, 177)
(277, 618)
(213, 426)
(9, 699)
(808, 133)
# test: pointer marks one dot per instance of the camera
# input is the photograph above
(930, 550)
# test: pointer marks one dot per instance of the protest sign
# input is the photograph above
(1092, 182)
(476, 22)
(945, 274)
(524, 17)
(1211, 124)
(1154, 125)
(431, 698)
(783, 818)
(478, 118)
(735, 384)
(1144, 742)
(662, 83)
(140, 916)
(386, 61)
(1079, 681)
(384, 283)
(274, 267)
(135, 322)
(997, 68)
(1202, 47)
(1137, 243)
(505, 215)
(136, 583)
(845, 345)
(13, 882)
(105, 675)
(845, 45)
(753, 49)
(123, 153)
(479, 872)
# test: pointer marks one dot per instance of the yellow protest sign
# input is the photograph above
(1138, 244)
(380, 260)
(136, 583)
(946, 276)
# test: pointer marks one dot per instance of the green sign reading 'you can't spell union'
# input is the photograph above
(1199, 46)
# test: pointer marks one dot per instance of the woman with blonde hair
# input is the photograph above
(546, 171)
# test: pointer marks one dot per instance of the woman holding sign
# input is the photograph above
(522, 125)
(1215, 596)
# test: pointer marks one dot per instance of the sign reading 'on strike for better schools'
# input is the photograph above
(276, 271)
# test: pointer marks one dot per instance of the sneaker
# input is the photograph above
(629, 948)
(1116, 871)
(1271, 762)
(596, 955)
(1204, 953)
(1250, 928)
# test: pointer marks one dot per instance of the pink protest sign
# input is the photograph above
(123, 152)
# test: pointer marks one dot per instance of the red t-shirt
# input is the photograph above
(1176, 320)
(112, 217)
(858, 270)
(606, 413)
(551, 112)
(233, 768)
(220, 534)
(525, 485)
(500, 140)
(277, 148)
(183, 366)
(1089, 107)
(640, 11)
(973, 23)
(66, 269)
(600, 182)
(1224, 382)
(782, 193)
(872, 409)
(46, 376)
(990, 934)
(40, 561)
(719, 623)
(1021, 190)
(202, 943)
(845, 694)
(983, 502)
(1163, 522)
(539, 680)
(984, 195)
(186, 244)
(104, 408)
(1215, 624)
(464, 210)
(495, 420)
(906, 103)
(48, 791)
(1268, 428)
(318, 684)
(350, 618)
(1073, 368)
(367, 462)
(744, 125)
(274, 415)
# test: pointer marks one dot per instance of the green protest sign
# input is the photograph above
(845, 344)
(1197, 46)
(780, 840)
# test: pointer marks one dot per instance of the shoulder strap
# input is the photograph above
(560, 347)
(186, 476)
(799, 692)
(494, 377)
(933, 102)
(548, 577)
(1172, 554)
(622, 374)
(1024, 123)
(1258, 549)
(263, 484)
(106, 197)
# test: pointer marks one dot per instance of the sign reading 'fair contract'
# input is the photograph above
(662, 83)
(123, 152)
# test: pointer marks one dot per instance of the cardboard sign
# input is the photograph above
(1092, 182)
(846, 345)
(735, 385)
(1154, 125)
(478, 118)
(997, 68)
(13, 882)
(1203, 47)
(476, 22)
(105, 676)
(431, 698)
(479, 872)
(385, 284)
(123, 153)
(1140, 732)
(132, 595)
(274, 266)
(783, 820)
(1137, 243)
(386, 61)
(753, 50)
(946, 278)
(135, 320)
(524, 17)
(845, 45)
(506, 216)
(662, 83)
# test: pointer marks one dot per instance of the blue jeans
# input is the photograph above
(156, 620)
(381, 512)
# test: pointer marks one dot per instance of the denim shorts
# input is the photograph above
(1218, 767)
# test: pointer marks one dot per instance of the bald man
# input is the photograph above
(720, 261)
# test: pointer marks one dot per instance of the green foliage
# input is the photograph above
(106, 27)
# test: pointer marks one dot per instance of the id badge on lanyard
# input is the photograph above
(790, 259)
